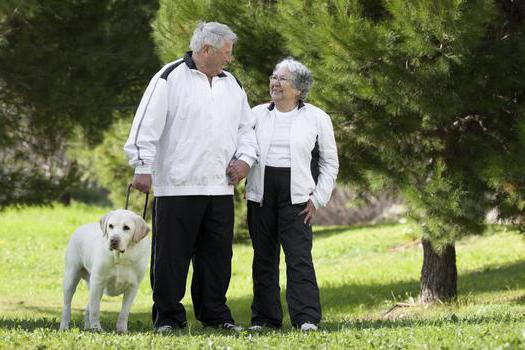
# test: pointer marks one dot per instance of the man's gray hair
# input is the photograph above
(213, 34)
(301, 77)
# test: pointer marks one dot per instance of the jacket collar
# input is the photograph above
(191, 64)
(299, 105)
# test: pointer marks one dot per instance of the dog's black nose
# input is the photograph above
(114, 241)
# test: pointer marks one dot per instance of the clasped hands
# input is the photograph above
(237, 170)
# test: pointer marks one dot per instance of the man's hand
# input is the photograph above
(309, 211)
(237, 170)
(142, 182)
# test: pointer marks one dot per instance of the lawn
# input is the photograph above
(362, 273)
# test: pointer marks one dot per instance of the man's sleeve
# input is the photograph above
(147, 126)
(247, 148)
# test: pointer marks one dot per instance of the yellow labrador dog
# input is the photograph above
(111, 256)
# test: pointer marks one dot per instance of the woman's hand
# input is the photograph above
(309, 211)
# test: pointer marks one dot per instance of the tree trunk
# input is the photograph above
(439, 275)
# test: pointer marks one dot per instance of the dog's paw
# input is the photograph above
(122, 328)
(96, 328)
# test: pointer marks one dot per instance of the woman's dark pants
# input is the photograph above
(273, 224)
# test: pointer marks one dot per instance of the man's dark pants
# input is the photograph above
(197, 229)
(277, 222)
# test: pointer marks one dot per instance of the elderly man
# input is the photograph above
(193, 123)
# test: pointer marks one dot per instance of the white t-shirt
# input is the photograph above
(279, 151)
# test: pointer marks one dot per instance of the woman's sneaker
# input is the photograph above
(308, 327)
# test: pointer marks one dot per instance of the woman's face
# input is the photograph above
(282, 89)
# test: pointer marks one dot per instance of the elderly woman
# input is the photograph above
(294, 175)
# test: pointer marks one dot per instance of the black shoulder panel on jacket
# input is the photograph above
(170, 69)
(238, 81)
(314, 164)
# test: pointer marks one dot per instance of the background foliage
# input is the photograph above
(427, 97)
(65, 68)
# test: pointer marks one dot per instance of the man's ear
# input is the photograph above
(208, 49)
(141, 229)
(104, 223)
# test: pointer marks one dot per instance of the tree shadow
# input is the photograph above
(138, 321)
(493, 278)
(141, 324)
(409, 323)
(331, 230)
(323, 231)
(489, 279)
(519, 300)
(326, 232)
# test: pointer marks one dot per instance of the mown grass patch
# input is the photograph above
(362, 272)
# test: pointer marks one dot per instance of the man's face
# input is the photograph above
(217, 59)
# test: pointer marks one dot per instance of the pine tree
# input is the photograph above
(259, 46)
(64, 68)
(428, 96)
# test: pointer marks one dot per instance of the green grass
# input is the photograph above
(362, 272)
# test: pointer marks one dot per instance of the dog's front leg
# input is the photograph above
(86, 318)
(127, 300)
(96, 288)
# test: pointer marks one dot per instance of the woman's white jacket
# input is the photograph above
(311, 134)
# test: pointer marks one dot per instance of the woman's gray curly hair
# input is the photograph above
(213, 34)
(301, 77)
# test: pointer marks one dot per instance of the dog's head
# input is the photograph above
(122, 228)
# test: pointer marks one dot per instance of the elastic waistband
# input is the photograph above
(277, 170)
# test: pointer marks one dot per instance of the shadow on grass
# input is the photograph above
(322, 231)
(491, 279)
(406, 323)
(344, 299)
(329, 231)
(140, 324)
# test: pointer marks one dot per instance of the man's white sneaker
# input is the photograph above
(231, 327)
(164, 329)
(256, 328)
(308, 327)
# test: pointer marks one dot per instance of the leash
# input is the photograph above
(145, 203)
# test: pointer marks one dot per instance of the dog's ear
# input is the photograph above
(141, 229)
(104, 223)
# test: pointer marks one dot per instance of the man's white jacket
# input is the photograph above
(313, 153)
(186, 131)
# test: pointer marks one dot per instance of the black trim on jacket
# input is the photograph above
(191, 65)
(170, 69)
(271, 106)
(314, 163)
